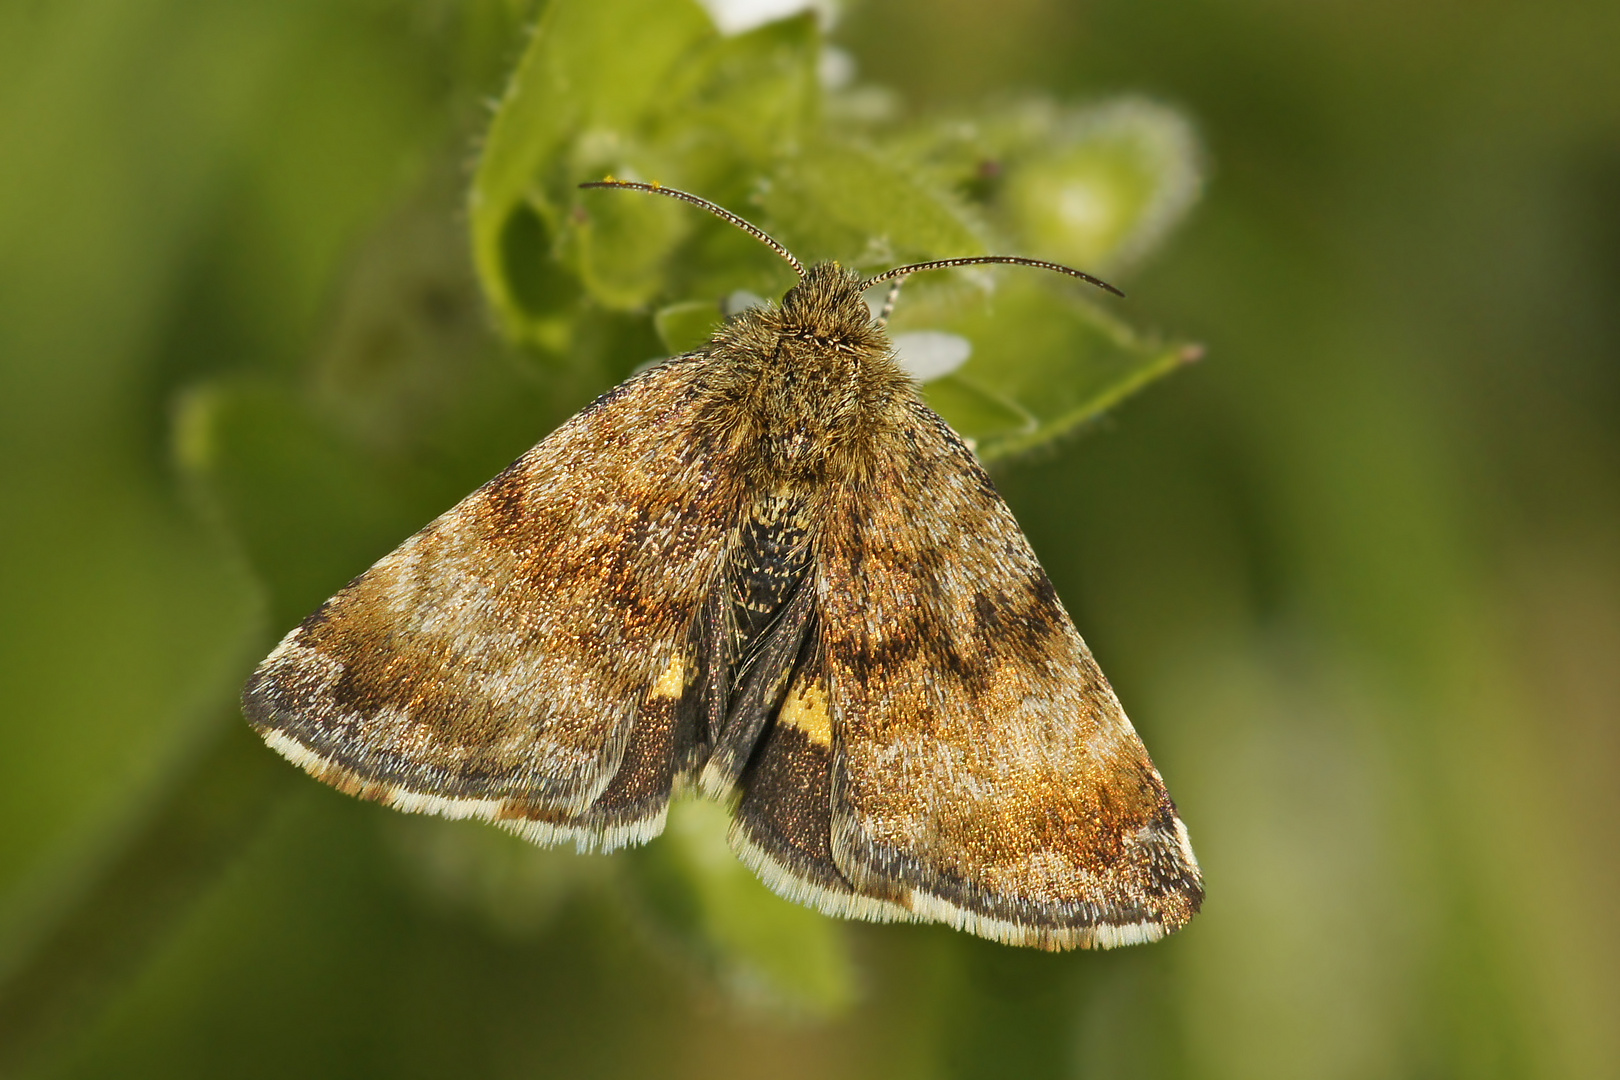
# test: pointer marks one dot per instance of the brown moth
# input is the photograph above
(768, 570)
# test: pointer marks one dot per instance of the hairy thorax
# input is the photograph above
(808, 388)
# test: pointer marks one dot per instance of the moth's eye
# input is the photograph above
(930, 354)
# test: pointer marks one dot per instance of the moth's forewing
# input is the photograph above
(980, 766)
(527, 658)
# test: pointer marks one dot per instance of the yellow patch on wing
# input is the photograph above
(672, 683)
(806, 709)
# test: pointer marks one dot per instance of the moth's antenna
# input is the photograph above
(939, 264)
(889, 301)
(718, 211)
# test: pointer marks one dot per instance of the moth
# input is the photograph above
(766, 570)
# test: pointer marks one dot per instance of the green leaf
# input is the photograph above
(308, 509)
(622, 244)
(745, 99)
(1044, 362)
(853, 204)
(1107, 187)
(980, 415)
(592, 74)
(686, 326)
(1097, 187)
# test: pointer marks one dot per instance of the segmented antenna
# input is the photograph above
(718, 211)
(899, 272)
(1015, 260)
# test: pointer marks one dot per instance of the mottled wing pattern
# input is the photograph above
(982, 772)
(529, 657)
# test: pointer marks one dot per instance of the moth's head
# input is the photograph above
(827, 304)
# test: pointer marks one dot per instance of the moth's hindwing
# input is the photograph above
(783, 823)
(980, 769)
(529, 658)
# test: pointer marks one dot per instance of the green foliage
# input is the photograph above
(742, 120)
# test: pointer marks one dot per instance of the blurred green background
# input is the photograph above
(1356, 575)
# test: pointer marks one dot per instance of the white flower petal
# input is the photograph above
(741, 16)
(835, 68)
(741, 301)
(929, 354)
